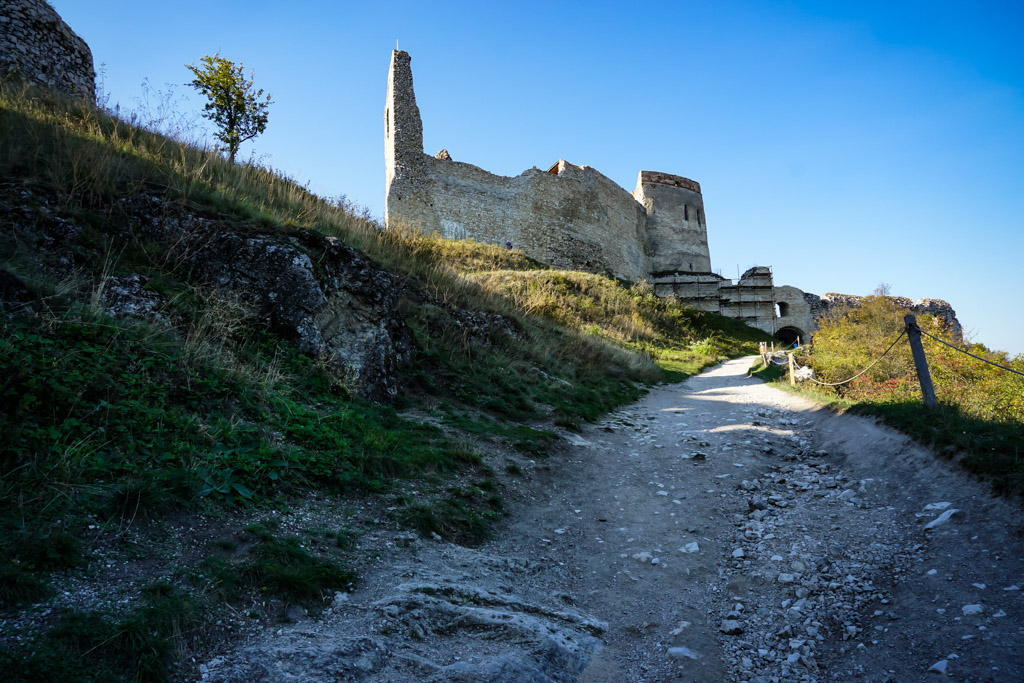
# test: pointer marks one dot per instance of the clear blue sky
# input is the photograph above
(843, 143)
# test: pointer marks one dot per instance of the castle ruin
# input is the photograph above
(36, 45)
(575, 218)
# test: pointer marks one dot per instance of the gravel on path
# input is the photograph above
(717, 530)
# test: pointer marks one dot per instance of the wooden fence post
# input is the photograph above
(792, 371)
(920, 362)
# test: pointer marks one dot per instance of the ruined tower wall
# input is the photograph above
(404, 166)
(751, 299)
(675, 223)
(36, 44)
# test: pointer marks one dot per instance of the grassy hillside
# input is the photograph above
(172, 462)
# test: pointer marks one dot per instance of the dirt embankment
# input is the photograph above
(717, 530)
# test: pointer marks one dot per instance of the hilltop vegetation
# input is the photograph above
(184, 427)
(980, 419)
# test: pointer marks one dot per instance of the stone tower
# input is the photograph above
(403, 136)
(676, 229)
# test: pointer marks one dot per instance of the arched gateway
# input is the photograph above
(791, 335)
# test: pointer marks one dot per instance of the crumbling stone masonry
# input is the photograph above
(568, 216)
(37, 45)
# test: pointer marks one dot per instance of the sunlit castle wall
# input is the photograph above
(568, 216)
(676, 228)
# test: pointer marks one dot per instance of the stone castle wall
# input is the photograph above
(568, 216)
(37, 45)
(573, 218)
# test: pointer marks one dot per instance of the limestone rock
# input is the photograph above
(941, 519)
(319, 293)
(128, 296)
(682, 653)
(322, 295)
(731, 627)
(804, 374)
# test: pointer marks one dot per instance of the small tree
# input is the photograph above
(234, 105)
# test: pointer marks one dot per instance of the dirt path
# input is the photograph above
(718, 530)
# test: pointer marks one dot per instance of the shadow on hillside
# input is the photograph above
(994, 450)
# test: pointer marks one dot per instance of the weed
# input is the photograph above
(464, 516)
(19, 584)
(345, 538)
(141, 645)
(277, 565)
(30, 554)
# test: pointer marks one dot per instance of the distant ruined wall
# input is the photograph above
(944, 315)
(797, 311)
(569, 216)
(751, 299)
(36, 44)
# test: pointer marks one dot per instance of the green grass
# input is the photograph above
(31, 553)
(97, 400)
(465, 515)
(682, 341)
(275, 565)
(524, 438)
(88, 646)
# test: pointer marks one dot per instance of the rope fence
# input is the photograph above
(873, 364)
(913, 333)
(965, 351)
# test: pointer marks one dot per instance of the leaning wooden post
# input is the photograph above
(923, 376)
(792, 370)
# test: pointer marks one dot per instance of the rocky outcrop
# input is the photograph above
(942, 311)
(38, 46)
(128, 296)
(454, 618)
(327, 298)
(321, 294)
